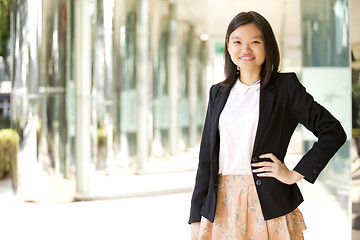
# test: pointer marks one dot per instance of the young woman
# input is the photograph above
(243, 189)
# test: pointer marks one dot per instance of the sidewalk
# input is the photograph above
(153, 205)
(160, 217)
(174, 175)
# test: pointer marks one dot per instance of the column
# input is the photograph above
(193, 87)
(83, 97)
(41, 41)
(142, 80)
(173, 80)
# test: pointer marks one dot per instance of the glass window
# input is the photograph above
(325, 33)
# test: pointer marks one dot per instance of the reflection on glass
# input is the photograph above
(191, 84)
(43, 103)
(102, 91)
(326, 75)
(185, 58)
(161, 105)
(325, 33)
(201, 88)
(125, 82)
(40, 47)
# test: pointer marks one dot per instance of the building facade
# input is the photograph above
(99, 85)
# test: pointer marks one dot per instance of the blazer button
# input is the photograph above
(258, 182)
(315, 171)
(254, 159)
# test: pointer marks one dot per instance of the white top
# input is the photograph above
(237, 126)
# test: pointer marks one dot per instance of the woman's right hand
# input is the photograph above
(195, 230)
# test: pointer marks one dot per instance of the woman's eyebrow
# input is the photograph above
(237, 37)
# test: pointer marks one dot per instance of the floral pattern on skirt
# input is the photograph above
(239, 217)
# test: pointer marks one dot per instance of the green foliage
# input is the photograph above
(102, 137)
(4, 122)
(4, 27)
(356, 106)
(9, 141)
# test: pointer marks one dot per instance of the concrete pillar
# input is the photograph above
(173, 80)
(192, 64)
(82, 96)
(142, 78)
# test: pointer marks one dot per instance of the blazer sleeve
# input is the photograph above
(331, 135)
(204, 167)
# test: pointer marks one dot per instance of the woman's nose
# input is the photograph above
(245, 48)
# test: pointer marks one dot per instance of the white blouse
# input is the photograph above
(237, 126)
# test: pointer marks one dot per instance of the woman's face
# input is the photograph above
(246, 48)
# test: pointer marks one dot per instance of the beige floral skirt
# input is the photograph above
(239, 217)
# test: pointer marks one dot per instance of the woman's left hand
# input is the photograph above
(276, 169)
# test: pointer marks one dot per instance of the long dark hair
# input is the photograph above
(272, 56)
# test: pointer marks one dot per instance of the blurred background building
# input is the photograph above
(113, 87)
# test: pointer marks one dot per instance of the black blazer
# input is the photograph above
(283, 104)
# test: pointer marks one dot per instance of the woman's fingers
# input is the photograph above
(265, 174)
(269, 155)
(275, 168)
(262, 169)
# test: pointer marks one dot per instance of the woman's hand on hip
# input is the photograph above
(195, 230)
(276, 169)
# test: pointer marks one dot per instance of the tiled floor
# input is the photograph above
(157, 217)
(154, 206)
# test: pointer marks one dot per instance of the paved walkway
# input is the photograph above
(160, 217)
(153, 205)
(150, 206)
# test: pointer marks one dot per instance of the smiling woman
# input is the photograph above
(243, 188)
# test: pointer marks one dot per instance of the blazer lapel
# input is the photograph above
(266, 103)
(219, 103)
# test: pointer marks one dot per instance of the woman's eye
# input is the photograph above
(256, 42)
(236, 42)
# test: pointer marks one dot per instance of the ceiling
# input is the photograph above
(213, 16)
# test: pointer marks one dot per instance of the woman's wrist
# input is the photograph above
(295, 176)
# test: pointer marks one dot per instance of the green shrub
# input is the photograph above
(4, 122)
(4, 27)
(9, 141)
(102, 135)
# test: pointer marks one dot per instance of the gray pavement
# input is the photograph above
(154, 217)
(157, 216)
(153, 205)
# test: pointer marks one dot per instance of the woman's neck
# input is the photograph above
(249, 78)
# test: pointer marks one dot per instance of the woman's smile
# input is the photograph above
(246, 58)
